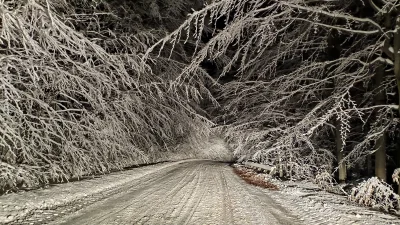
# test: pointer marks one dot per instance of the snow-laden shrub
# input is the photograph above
(325, 180)
(376, 194)
(396, 176)
(12, 177)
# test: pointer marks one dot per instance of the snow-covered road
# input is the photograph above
(193, 192)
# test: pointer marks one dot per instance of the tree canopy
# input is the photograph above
(299, 70)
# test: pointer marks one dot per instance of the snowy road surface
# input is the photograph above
(185, 192)
(194, 192)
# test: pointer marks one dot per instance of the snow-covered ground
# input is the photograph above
(15, 207)
(185, 192)
(316, 206)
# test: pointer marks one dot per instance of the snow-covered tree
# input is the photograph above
(77, 99)
(287, 91)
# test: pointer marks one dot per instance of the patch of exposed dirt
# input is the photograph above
(252, 178)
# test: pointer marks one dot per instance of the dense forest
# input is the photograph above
(77, 97)
(91, 86)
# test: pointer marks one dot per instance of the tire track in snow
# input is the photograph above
(180, 208)
(182, 185)
(120, 201)
(227, 203)
(145, 195)
(148, 202)
(193, 200)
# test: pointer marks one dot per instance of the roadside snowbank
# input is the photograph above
(316, 206)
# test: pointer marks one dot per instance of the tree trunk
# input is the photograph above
(370, 167)
(380, 144)
(339, 153)
(380, 158)
(333, 52)
(396, 48)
